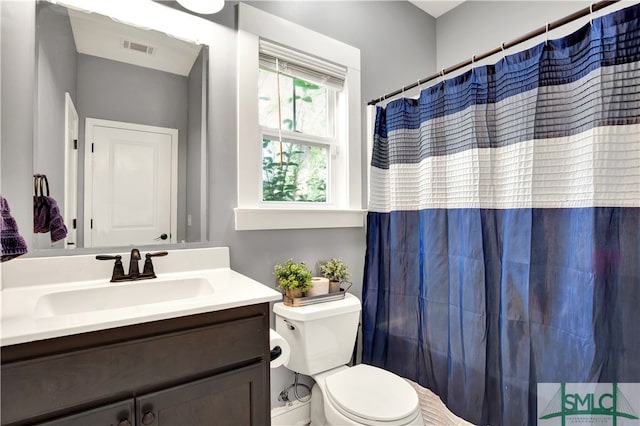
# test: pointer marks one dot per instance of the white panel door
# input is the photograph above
(133, 187)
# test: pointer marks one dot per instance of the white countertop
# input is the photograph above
(27, 280)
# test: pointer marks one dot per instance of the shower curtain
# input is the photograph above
(503, 240)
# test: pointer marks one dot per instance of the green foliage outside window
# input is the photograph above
(300, 176)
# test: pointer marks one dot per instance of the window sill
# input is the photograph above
(271, 218)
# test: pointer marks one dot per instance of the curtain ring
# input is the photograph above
(473, 59)
(591, 14)
(503, 54)
(546, 32)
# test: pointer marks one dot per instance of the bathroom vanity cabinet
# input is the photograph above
(204, 369)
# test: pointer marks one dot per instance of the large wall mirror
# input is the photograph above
(121, 122)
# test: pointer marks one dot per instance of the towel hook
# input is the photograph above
(40, 182)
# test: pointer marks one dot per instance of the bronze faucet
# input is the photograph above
(134, 273)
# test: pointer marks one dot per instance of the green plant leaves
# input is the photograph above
(293, 275)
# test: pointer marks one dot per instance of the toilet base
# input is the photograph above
(317, 407)
(296, 414)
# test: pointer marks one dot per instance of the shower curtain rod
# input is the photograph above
(594, 7)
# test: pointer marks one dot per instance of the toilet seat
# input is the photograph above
(372, 396)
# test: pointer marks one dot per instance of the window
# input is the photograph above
(297, 110)
(299, 145)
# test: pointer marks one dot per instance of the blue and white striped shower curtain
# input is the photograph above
(503, 241)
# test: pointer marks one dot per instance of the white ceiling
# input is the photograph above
(436, 8)
(98, 35)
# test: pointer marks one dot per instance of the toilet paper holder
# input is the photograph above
(278, 350)
(275, 353)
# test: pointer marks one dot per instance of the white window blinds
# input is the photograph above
(301, 65)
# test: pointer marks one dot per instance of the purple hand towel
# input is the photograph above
(56, 223)
(13, 245)
(41, 214)
(47, 218)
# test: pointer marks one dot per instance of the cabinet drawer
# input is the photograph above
(54, 383)
(109, 415)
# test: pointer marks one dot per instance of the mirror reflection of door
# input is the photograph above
(131, 184)
(70, 171)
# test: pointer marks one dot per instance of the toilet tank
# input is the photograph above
(321, 336)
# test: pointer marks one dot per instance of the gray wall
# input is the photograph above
(17, 42)
(478, 26)
(56, 75)
(194, 146)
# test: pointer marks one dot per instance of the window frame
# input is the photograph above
(345, 207)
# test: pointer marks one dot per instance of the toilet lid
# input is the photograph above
(372, 393)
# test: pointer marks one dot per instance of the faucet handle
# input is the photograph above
(118, 269)
(156, 254)
(148, 265)
(108, 257)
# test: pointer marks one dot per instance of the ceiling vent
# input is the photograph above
(138, 47)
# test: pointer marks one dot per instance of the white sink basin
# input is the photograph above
(121, 295)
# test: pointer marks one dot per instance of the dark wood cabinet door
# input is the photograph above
(236, 398)
(118, 414)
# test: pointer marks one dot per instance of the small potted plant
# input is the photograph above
(336, 271)
(294, 278)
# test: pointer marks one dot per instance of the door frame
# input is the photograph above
(71, 122)
(90, 124)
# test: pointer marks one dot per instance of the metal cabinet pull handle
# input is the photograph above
(148, 418)
(124, 422)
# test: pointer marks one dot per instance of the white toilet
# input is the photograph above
(322, 337)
